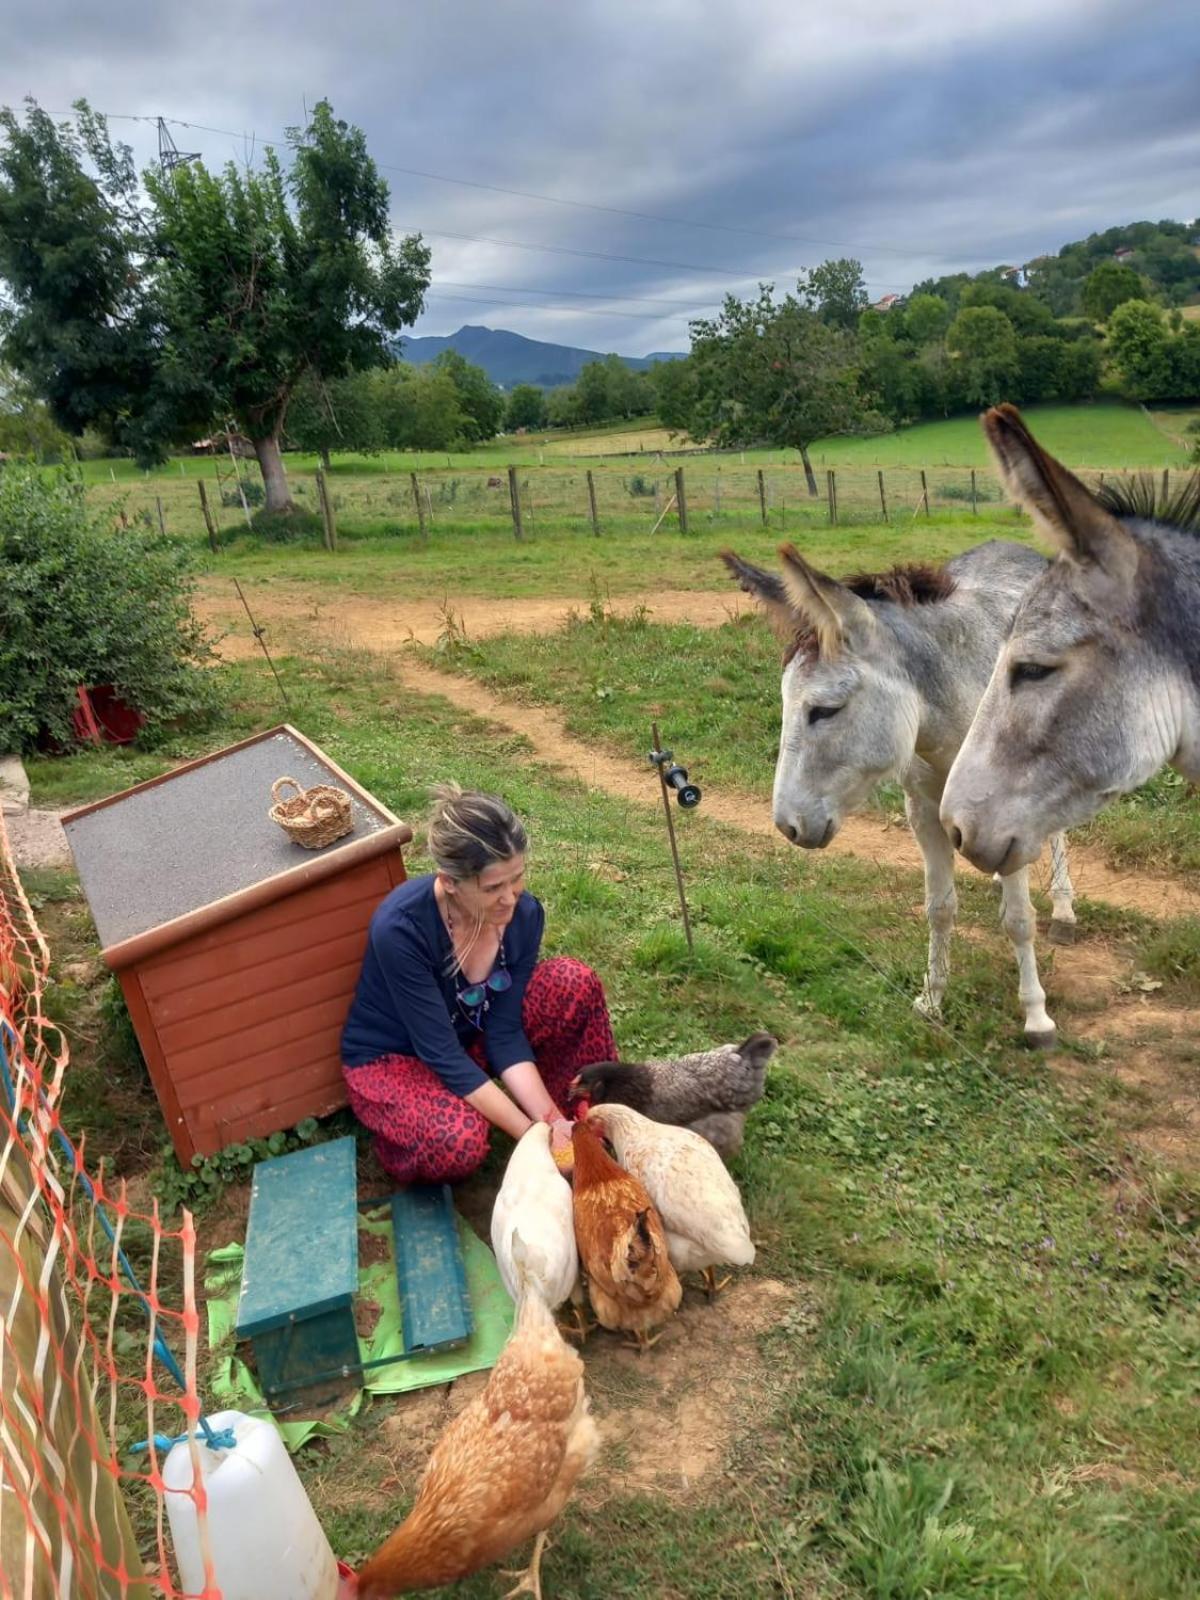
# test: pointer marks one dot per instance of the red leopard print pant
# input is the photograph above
(425, 1133)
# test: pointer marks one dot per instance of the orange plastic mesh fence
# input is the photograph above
(80, 1517)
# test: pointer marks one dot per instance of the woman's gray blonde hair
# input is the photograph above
(469, 831)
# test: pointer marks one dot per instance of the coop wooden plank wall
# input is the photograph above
(240, 1025)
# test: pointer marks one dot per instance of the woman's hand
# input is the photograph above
(560, 1134)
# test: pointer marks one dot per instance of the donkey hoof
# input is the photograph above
(1061, 932)
(1046, 1040)
(927, 1008)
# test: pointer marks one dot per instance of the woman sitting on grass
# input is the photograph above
(452, 997)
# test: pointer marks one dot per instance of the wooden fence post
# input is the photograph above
(883, 496)
(514, 496)
(831, 496)
(420, 505)
(762, 497)
(591, 483)
(974, 502)
(924, 492)
(717, 494)
(208, 517)
(162, 525)
(326, 511)
(680, 500)
(1166, 483)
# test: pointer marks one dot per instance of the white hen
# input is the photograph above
(533, 1223)
(698, 1201)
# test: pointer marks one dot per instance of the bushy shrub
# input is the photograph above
(287, 527)
(255, 494)
(82, 603)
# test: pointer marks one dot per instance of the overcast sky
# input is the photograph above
(919, 138)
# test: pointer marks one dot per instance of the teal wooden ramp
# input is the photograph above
(432, 1280)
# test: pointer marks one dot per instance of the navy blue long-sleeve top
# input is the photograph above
(406, 1002)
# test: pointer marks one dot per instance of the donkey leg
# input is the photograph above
(1019, 922)
(1062, 893)
(941, 899)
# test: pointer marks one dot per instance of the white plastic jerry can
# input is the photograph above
(264, 1535)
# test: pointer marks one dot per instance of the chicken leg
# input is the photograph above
(530, 1581)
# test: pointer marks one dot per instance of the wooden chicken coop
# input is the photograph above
(237, 950)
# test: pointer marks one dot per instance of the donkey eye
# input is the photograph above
(1028, 672)
(819, 713)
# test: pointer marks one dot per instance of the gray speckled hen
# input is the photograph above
(709, 1092)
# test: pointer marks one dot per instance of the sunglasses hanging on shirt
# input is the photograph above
(474, 997)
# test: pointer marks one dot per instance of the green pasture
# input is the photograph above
(982, 1377)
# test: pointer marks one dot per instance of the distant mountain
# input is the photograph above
(510, 358)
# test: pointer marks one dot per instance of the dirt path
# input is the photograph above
(377, 624)
(293, 614)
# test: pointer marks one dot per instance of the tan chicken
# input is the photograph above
(500, 1474)
(701, 1210)
(631, 1282)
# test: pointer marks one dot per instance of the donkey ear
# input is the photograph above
(839, 616)
(1063, 508)
(767, 588)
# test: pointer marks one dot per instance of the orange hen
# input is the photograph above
(631, 1282)
(501, 1472)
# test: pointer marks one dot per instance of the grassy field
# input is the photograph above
(979, 1375)
(373, 495)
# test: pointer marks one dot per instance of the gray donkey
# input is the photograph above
(1098, 685)
(881, 677)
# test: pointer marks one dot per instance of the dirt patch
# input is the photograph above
(669, 1418)
(372, 1248)
(367, 623)
(1158, 1063)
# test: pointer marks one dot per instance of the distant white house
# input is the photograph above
(889, 302)
(1123, 253)
(1017, 277)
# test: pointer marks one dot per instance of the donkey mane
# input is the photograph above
(913, 584)
(1141, 497)
(906, 584)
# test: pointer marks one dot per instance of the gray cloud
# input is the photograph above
(919, 139)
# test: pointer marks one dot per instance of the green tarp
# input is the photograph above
(231, 1383)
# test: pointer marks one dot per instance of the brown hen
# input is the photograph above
(631, 1282)
(500, 1474)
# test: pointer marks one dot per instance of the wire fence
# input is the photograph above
(83, 1348)
(649, 494)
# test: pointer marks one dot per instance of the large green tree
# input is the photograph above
(837, 289)
(985, 342)
(1108, 286)
(1144, 351)
(480, 401)
(80, 326)
(212, 304)
(331, 414)
(772, 372)
(526, 407)
(267, 276)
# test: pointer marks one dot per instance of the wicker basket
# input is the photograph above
(312, 817)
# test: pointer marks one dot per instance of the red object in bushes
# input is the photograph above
(102, 717)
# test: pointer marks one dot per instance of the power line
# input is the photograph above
(604, 255)
(582, 205)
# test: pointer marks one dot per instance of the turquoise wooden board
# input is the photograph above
(432, 1281)
(302, 1238)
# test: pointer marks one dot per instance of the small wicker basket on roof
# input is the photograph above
(312, 817)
